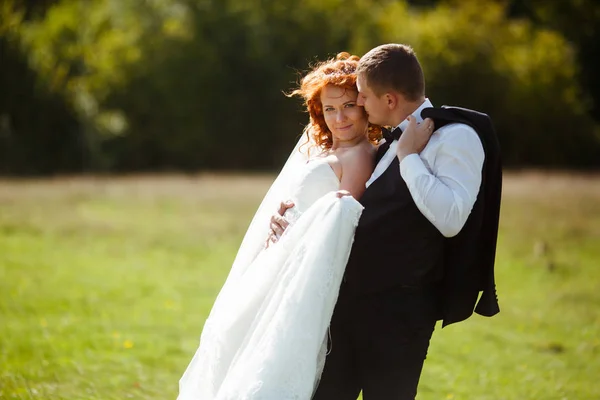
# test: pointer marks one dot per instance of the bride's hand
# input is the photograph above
(278, 223)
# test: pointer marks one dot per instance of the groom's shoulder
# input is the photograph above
(457, 117)
(460, 125)
(457, 130)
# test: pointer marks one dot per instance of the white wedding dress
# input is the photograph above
(266, 336)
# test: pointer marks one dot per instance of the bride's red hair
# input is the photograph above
(339, 71)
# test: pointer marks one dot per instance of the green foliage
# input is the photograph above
(39, 131)
(165, 84)
(579, 22)
(525, 78)
(224, 85)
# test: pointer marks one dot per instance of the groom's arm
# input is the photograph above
(278, 223)
(445, 189)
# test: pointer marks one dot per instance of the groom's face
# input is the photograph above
(375, 106)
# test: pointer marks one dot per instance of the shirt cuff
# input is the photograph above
(411, 167)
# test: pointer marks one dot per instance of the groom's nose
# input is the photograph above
(360, 101)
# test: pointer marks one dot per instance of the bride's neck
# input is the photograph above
(341, 144)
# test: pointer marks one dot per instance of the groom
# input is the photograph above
(420, 194)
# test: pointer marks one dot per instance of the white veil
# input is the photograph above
(241, 345)
(256, 235)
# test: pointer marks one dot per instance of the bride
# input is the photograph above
(266, 335)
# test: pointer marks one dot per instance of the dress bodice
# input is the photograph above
(313, 181)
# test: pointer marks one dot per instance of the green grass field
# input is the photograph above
(105, 284)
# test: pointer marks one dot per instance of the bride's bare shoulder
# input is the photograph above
(362, 153)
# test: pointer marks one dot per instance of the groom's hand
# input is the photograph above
(278, 223)
(414, 139)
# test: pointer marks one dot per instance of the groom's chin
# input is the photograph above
(373, 120)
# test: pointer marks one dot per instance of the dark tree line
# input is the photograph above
(109, 86)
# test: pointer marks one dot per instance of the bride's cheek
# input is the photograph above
(327, 121)
(358, 114)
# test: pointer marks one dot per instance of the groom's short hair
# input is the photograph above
(393, 67)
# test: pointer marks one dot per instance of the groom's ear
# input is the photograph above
(391, 100)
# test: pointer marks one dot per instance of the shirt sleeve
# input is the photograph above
(445, 189)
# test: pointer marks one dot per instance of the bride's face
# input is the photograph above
(344, 118)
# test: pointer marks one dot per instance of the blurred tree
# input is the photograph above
(524, 77)
(39, 131)
(85, 62)
(198, 84)
(579, 22)
(219, 94)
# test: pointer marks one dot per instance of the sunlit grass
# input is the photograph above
(105, 284)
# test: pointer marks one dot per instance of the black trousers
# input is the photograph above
(378, 344)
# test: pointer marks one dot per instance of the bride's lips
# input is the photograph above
(344, 128)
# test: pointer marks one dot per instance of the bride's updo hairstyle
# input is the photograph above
(339, 71)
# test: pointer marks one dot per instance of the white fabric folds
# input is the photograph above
(266, 336)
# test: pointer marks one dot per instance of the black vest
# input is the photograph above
(395, 245)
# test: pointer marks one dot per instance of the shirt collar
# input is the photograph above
(417, 114)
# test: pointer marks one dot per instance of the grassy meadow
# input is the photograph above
(105, 284)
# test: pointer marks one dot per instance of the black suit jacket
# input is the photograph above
(469, 256)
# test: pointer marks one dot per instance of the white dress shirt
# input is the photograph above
(445, 177)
